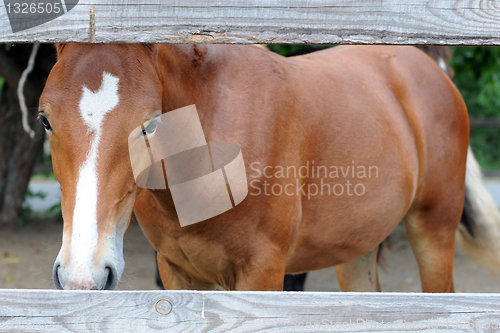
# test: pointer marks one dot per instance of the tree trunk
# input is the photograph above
(18, 151)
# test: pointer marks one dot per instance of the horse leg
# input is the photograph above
(175, 278)
(265, 272)
(433, 243)
(360, 274)
(259, 278)
(157, 275)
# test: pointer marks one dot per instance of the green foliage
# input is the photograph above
(2, 82)
(485, 142)
(28, 216)
(39, 194)
(43, 176)
(287, 50)
(25, 216)
(477, 76)
(283, 50)
(27, 213)
(55, 210)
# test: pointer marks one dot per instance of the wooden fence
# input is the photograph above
(443, 22)
(446, 22)
(221, 311)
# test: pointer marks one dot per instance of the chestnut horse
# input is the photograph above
(383, 124)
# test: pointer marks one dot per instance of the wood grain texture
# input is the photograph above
(219, 311)
(451, 22)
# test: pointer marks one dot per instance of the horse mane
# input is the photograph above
(439, 54)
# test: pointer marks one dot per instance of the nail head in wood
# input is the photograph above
(163, 307)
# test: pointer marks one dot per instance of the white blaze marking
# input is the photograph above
(93, 108)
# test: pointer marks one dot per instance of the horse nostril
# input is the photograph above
(55, 277)
(109, 285)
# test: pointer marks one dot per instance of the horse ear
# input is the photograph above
(59, 48)
(150, 47)
(152, 50)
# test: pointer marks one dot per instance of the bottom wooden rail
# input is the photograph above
(221, 311)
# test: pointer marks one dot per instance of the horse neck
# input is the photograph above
(182, 71)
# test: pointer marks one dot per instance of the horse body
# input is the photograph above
(389, 108)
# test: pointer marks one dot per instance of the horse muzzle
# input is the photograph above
(89, 272)
(104, 278)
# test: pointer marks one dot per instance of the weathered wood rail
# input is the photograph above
(450, 22)
(220, 311)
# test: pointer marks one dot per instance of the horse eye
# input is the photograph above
(45, 122)
(151, 128)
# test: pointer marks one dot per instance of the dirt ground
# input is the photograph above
(27, 255)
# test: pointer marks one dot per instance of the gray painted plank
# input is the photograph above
(219, 311)
(453, 22)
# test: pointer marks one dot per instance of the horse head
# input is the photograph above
(94, 97)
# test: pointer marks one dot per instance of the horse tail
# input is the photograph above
(478, 234)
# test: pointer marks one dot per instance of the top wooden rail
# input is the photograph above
(441, 22)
